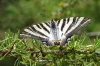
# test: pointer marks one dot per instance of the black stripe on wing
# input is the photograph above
(58, 22)
(67, 20)
(38, 26)
(48, 24)
(63, 24)
(44, 27)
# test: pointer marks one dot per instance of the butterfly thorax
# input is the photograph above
(55, 37)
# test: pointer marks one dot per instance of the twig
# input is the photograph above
(94, 34)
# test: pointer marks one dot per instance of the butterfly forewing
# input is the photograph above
(77, 24)
(40, 31)
(55, 31)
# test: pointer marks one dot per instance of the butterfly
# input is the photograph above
(55, 32)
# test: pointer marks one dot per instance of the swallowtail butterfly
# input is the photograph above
(55, 32)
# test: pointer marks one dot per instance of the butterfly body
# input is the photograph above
(55, 32)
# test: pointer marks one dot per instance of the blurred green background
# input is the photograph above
(18, 14)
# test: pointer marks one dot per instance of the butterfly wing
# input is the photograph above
(69, 26)
(40, 31)
(61, 30)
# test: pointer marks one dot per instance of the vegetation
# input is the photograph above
(18, 14)
(80, 51)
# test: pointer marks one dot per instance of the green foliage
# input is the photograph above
(16, 14)
(79, 51)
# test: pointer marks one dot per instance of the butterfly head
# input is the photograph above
(56, 42)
